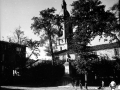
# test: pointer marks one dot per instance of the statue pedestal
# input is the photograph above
(67, 80)
(66, 65)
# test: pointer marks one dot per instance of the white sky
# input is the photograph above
(15, 13)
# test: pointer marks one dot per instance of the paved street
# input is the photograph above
(45, 88)
(51, 88)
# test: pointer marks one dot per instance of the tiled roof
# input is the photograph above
(105, 46)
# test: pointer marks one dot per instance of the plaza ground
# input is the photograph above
(51, 88)
(45, 88)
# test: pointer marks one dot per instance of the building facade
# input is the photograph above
(12, 57)
(109, 51)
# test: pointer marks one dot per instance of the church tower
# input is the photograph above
(63, 40)
(63, 44)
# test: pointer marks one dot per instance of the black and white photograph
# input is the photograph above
(59, 45)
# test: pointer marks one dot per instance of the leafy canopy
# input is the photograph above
(47, 23)
(91, 20)
(47, 26)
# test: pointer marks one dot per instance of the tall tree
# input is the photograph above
(34, 48)
(90, 20)
(47, 48)
(48, 51)
(116, 7)
(47, 26)
(20, 38)
(116, 10)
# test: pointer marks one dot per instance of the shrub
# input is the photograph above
(44, 73)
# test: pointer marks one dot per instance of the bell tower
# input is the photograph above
(62, 44)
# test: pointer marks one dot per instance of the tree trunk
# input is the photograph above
(86, 79)
(31, 53)
(51, 49)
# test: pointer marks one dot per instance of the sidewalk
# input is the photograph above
(47, 88)
(53, 88)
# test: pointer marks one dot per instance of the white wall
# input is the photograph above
(119, 51)
(106, 52)
(98, 41)
(72, 56)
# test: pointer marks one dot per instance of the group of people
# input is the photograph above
(112, 84)
(75, 83)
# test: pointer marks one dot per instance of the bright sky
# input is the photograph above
(15, 13)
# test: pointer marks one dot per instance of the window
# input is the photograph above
(2, 57)
(60, 48)
(18, 49)
(59, 42)
(62, 42)
(116, 51)
(60, 33)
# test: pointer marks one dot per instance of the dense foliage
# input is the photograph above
(20, 38)
(90, 20)
(43, 74)
(98, 69)
(47, 26)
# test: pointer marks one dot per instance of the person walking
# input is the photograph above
(75, 85)
(102, 84)
(80, 84)
(112, 85)
(118, 86)
(73, 82)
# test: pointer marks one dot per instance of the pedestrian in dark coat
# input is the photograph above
(80, 84)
